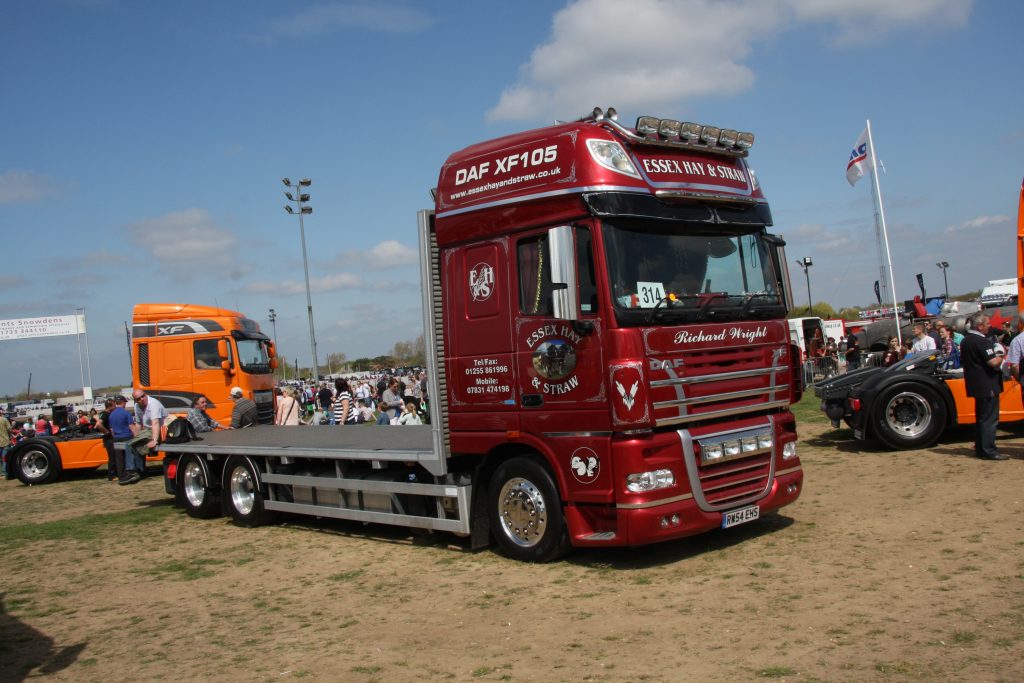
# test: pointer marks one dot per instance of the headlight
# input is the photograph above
(648, 481)
(611, 156)
(764, 440)
(731, 448)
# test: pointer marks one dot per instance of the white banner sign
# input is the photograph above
(50, 326)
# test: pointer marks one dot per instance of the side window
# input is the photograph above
(535, 276)
(585, 271)
(205, 353)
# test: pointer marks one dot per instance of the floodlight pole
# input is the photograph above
(300, 200)
(806, 263)
(945, 282)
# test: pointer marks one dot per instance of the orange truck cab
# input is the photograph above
(182, 351)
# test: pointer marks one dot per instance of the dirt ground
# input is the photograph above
(890, 567)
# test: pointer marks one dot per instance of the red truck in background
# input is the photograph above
(604, 313)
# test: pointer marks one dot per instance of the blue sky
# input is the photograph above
(144, 143)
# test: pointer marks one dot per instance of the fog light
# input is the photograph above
(791, 489)
(675, 520)
(690, 132)
(664, 522)
(789, 450)
(668, 129)
(731, 448)
(711, 451)
(764, 440)
(647, 125)
(709, 135)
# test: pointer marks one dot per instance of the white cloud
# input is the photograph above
(335, 282)
(24, 186)
(327, 18)
(189, 243)
(650, 54)
(976, 223)
(862, 21)
(387, 254)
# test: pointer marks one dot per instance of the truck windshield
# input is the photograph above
(725, 273)
(252, 355)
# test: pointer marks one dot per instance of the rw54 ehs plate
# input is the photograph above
(734, 517)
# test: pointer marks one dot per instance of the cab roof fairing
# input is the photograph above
(558, 160)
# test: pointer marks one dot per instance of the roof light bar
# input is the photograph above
(653, 129)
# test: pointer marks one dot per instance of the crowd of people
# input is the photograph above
(381, 399)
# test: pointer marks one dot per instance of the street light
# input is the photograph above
(300, 198)
(273, 321)
(806, 262)
(944, 265)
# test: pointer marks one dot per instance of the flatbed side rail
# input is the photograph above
(343, 498)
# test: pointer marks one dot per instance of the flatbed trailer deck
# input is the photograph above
(324, 471)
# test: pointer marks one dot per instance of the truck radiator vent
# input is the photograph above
(143, 351)
(709, 386)
(730, 482)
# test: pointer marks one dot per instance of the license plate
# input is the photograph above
(741, 516)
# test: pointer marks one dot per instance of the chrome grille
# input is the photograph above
(714, 384)
(728, 482)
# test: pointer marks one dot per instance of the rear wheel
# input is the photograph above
(526, 513)
(198, 496)
(243, 493)
(37, 464)
(909, 416)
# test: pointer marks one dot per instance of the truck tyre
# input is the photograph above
(526, 514)
(37, 463)
(243, 493)
(198, 496)
(909, 416)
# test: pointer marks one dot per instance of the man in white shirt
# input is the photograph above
(922, 342)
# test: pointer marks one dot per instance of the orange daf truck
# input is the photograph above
(179, 352)
(910, 404)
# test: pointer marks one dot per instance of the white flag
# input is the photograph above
(858, 163)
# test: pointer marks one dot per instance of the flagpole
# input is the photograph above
(880, 216)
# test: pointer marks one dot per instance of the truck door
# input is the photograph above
(479, 338)
(208, 378)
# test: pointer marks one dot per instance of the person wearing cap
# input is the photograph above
(120, 421)
(244, 414)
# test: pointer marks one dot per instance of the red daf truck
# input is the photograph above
(606, 339)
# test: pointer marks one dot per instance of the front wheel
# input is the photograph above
(198, 496)
(909, 416)
(525, 511)
(243, 493)
(37, 464)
